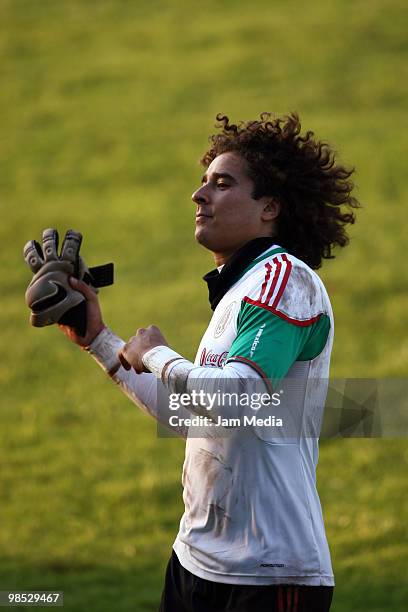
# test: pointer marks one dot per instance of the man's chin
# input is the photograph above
(201, 237)
(208, 240)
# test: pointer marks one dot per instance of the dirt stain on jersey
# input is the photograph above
(218, 519)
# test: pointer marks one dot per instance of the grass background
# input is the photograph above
(105, 108)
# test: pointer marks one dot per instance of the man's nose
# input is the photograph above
(200, 196)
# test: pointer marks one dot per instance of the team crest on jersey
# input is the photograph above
(224, 320)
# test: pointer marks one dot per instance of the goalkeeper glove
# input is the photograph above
(49, 294)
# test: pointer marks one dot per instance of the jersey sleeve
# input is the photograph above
(281, 320)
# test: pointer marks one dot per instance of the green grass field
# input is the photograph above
(106, 107)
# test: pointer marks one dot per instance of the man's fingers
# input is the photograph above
(123, 360)
(131, 354)
(82, 288)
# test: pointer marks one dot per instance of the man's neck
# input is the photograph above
(221, 279)
(222, 258)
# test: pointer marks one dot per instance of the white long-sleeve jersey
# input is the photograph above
(252, 511)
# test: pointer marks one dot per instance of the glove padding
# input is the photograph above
(49, 294)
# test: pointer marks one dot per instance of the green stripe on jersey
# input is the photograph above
(317, 339)
(273, 344)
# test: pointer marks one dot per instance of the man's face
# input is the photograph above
(227, 215)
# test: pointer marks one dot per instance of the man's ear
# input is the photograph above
(271, 209)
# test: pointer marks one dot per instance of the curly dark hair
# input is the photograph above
(301, 173)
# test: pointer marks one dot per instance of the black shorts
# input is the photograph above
(184, 592)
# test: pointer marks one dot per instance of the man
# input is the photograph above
(252, 535)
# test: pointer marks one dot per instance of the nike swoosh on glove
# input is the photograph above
(49, 294)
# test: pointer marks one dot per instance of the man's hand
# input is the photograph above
(94, 316)
(131, 354)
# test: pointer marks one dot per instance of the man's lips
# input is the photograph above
(201, 219)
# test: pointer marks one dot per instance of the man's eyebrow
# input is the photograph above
(218, 175)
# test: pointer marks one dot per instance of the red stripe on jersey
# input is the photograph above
(296, 600)
(284, 282)
(275, 279)
(278, 313)
(254, 365)
(280, 599)
(267, 275)
(288, 597)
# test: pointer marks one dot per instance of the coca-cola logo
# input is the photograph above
(214, 360)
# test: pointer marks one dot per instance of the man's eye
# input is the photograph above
(222, 185)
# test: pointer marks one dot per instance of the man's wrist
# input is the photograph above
(104, 348)
(157, 360)
(86, 347)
